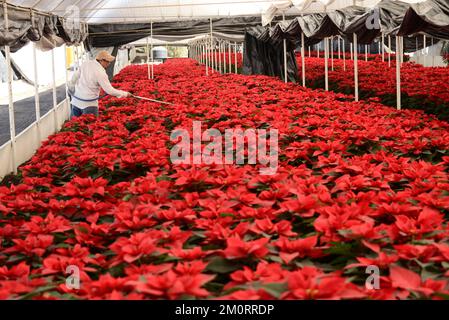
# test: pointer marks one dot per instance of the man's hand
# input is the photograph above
(125, 94)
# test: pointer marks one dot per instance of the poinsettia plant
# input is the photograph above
(359, 185)
(422, 88)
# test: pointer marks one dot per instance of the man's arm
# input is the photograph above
(72, 83)
(105, 84)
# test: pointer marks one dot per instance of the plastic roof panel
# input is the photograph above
(107, 11)
(110, 11)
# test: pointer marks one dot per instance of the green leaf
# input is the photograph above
(127, 197)
(37, 292)
(442, 295)
(275, 289)
(222, 265)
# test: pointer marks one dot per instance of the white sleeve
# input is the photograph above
(75, 78)
(105, 84)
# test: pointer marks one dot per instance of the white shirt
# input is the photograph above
(87, 81)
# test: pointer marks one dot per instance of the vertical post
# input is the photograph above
(230, 57)
(215, 66)
(202, 53)
(366, 52)
(36, 93)
(356, 69)
(285, 55)
(55, 100)
(389, 51)
(326, 64)
(211, 38)
(383, 48)
(310, 54)
(66, 62)
(432, 52)
(235, 58)
(344, 54)
(215, 56)
(351, 52)
(151, 51)
(303, 60)
(401, 46)
(332, 52)
(424, 50)
(12, 122)
(148, 58)
(398, 73)
(206, 57)
(318, 50)
(220, 66)
(338, 47)
(225, 61)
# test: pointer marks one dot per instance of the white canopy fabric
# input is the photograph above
(112, 11)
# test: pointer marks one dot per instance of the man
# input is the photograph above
(87, 82)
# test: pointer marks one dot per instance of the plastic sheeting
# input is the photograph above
(49, 31)
(105, 35)
(387, 17)
(267, 57)
(431, 17)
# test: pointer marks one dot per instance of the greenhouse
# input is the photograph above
(224, 150)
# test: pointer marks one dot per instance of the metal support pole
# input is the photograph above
(230, 57)
(401, 46)
(303, 60)
(326, 64)
(332, 52)
(36, 94)
(398, 73)
(151, 51)
(225, 61)
(383, 48)
(285, 61)
(66, 81)
(215, 56)
(55, 99)
(235, 58)
(285, 55)
(204, 53)
(211, 41)
(338, 47)
(389, 51)
(432, 53)
(351, 52)
(344, 55)
(425, 42)
(310, 54)
(220, 65)
(366, 52)
(148, 59)
(207, 57)
(12, 122)
(356, 69)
